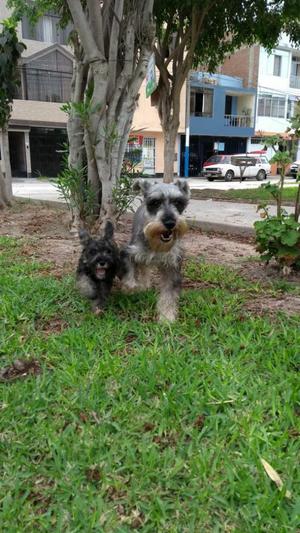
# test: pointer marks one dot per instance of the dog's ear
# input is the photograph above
(141, 186)
(84, 237)
(183, 186)
(108, 230)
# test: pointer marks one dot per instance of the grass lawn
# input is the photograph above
(135, 425)
(247, 195)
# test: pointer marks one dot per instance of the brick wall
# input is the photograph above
(243, 63)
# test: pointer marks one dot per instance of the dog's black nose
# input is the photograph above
(169, 222)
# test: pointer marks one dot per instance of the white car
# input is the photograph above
(222, 167)
(294, 168)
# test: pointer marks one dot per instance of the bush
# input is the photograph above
(278, 237)
(73, 186)
(123, 195)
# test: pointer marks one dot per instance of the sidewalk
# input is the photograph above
(209, 215)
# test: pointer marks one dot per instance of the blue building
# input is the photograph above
(221, 118)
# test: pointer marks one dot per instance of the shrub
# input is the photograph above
(278, 237)
(123, 195)
(73, 186)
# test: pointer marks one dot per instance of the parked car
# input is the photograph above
(222, 167)
(294, 168)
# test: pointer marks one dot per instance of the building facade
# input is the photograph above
(221, 118)
(37, 127)
(276, 76)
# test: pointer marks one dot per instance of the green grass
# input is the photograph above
(137, 425)
(247, 195)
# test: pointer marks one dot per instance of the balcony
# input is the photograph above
(295, 82)
(239, 121)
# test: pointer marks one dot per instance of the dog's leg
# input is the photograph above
(170, 283)
(144, 277)
(100, 300)
(86, 286)
(129, 279)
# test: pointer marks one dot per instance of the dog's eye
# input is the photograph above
(154, 204)
(179, 204)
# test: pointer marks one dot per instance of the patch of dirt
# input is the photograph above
(290, 304)
(21, 368)
(53, 325)
(94, 474)
(50, 241)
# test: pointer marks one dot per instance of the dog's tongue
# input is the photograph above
(166, 235)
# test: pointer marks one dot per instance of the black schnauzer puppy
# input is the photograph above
(98, 265)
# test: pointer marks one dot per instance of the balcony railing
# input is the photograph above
(239, 121)
(295, 82)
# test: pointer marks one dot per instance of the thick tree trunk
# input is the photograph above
(170, 134)
(5, 177)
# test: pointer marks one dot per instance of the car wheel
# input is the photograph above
(261, 175)
(210, 179)
(229, 175)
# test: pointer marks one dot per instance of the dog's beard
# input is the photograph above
(162, 240)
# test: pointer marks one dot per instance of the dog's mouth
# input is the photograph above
(100, 271)
(166, 236)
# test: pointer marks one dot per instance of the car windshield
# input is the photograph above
(219, 159)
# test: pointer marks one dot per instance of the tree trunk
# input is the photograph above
(170, 134)
(116, 38)
(5, 177)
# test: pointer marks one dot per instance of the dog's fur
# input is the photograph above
(158, 228)
(98, 265)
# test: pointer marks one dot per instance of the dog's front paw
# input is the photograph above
(167, 316)
(98, 310)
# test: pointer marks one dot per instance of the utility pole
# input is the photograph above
(187, 128)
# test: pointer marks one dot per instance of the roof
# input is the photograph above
(37, 49)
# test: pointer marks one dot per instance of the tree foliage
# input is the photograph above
(10, 53)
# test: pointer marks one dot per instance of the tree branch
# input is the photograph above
(96, 22)
(87, 39)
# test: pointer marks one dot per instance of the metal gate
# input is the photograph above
(149, 155)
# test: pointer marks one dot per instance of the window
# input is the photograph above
(277, 65)
(271, 106)
(295, 73)
(47, 29)
(295, 66)
(290, 108)
(201, 102)
(47, 78)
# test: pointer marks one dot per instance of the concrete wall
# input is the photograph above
(146, 116)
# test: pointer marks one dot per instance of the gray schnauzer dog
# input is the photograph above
(98, 265)
(158, 227)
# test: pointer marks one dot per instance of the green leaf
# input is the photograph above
(291, 237)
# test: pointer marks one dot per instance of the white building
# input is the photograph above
(278, 89)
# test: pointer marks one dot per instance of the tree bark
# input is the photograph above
(5, 177)
(170, 134)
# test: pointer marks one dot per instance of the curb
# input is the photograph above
(37, 201)
(209, 227)
(244, 231)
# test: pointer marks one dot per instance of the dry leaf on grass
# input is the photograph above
(274, 476)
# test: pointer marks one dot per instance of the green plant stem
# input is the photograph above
(279, 200)
(297, 204)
